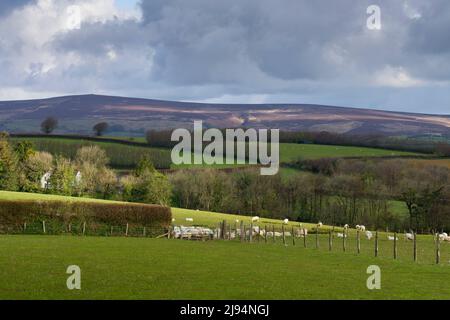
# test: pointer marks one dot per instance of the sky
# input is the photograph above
(234, 51)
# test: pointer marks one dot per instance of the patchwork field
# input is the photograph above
(136, 268)
(127, 156)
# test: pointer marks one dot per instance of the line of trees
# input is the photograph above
(354, 192)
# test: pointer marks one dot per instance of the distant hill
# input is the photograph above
(77, 114)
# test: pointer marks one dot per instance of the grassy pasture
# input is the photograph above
(126, 156)
(120, 155)
(137, 268)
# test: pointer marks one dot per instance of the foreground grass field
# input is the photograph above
(34, 267)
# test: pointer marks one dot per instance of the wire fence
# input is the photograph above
(426, 249)
(83, 229)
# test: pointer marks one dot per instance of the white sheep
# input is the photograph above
(391, 238)
(319, 225)
(360, 227)
(346, 226)
(286, 221)
(369, 235)
(409, 236)
(255, 219)
(341, 235)
(444, 237)
(190, 219)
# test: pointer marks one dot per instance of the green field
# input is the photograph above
(126, 156)
(201, 218)
(34, 267)
(120, 155)
(144, 268)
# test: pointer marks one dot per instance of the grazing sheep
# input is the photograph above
(360, 228)
(369, 235)
(190, 219)
(286, 221)
(391, 238)
(319, 225)
(409, 236)
(346, 226)
(301, 232)
(444, 237)
(341, 235)
(255, 219)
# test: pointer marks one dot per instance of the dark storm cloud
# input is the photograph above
(288, 50)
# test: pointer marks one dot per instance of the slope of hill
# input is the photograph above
(77, 114)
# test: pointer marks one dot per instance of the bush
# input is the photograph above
(16, 213)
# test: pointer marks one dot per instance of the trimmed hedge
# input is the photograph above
(16, 213)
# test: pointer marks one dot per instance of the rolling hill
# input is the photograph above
(128, 116)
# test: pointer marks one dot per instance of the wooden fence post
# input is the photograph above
(317, 237)
(438, 249)
(304, 237)
(229, 232)
(24, 227)
(330, 241)
(144, 232)
(242, 231)
(358, 242)
(395, 245)
(293, 237)
(126, 231)
(43, 226)
(265, 233)
(84, 228)
(250, 233)
(415, 246)
(284, 237)
(376, 243)
(273, 233)
(70, 227)
(344, 236)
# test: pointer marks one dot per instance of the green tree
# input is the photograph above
(8, 165)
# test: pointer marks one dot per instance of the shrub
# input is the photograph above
(16, 213)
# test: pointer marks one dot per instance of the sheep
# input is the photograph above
(444, 237)
(409, 236)
(319, 225)
(392, 238)
(301, 232)
(255, 219)
(190, 219)
(346, 226)
(286, 221)
(360, 227)
(341, 235)
(369, 235)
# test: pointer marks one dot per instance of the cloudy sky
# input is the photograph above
(233, 51)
